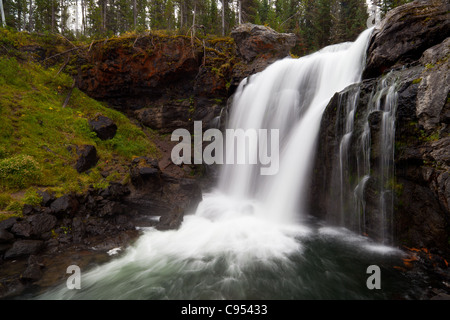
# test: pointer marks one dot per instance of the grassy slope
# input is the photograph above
(38, 136)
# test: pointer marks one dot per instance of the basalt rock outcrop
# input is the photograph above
(258, 46)
(410, 50)
(405, 33)
(97, 220)
(133, 72)
(167, 82)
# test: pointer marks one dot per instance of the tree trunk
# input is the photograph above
(240, 11)
(105, 19)
(3, 14)
(76, 17)
(53, 17)
(223, 17)
(134, 14)
(193, 19)
(62, 18)
(181, 15)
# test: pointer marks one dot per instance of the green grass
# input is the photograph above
(38, 136)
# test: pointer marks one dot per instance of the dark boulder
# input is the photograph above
(5, 236)
(405, 33)
(433, 87)
(22, 229)
(47, 197)
(33, 271)
(103, 126)
(65, 204)
(11, 287)
(42, 223)
(255, 40)
(146, 174)
(258, 46)
(8, 223)
(27, 209)
(111, 208)
(87, 158)
(22, 248)
(115, 191)
(170, 221)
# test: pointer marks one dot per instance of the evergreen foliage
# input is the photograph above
(316, 23)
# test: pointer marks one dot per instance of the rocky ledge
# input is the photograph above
(411, 50)
(94, 223)
(168, 82)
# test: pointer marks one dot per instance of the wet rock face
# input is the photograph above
(405, 33)
(410, 48)
(156, 193)
(22, 248)
(168, 116)
(433, 108)
(258, 46)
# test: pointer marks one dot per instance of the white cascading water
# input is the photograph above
(353, 180)
(245, 240)
(386, 93)
(290, 95)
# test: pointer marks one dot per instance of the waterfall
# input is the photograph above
(291, 96)
(249, 238)
(385, 103)
(365, 162)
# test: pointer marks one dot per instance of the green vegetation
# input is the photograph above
(32, 197)
(38, 136)
(315, 22)
(19, 171)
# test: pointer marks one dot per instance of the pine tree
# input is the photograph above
(13, 14)
(351, 20)
(321, 23)
(46, 15)
(386, 5)
(249, 10)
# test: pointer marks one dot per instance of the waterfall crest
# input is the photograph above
(245, 240)
(291, 96)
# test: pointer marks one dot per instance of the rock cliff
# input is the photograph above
(167, 82)
(410, 51)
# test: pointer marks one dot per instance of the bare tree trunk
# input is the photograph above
(83, 16)
(30, 18)
(3, 14)
(62, 18)
(53, 16)
(193, 18)
(76, 17)
(185, 13)
(134, 14)
(19, 16)
(105, 2)
(181, 14)
(240, 11)
(223, 17)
